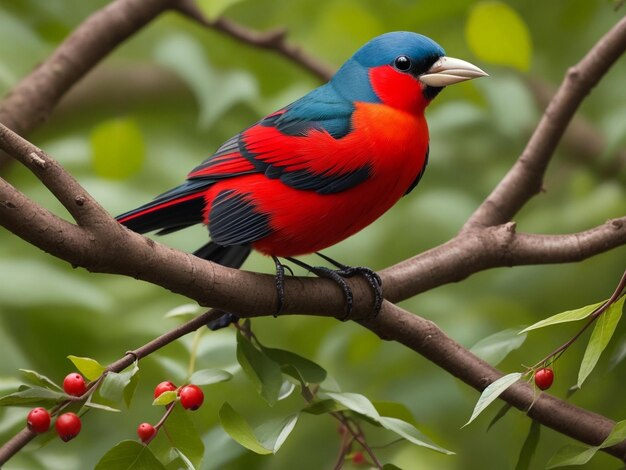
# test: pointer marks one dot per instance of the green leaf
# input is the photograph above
(357, 403)
(272, 434)
(498, 34)
(129, 455)
(571, 455)
(530, 446)
(264, 372)
(394, 410)
(90, 368)
(563, 317)
(496, 347)
(617, 435)
(112, 387)
(33, 396)
(286, 389)
(209, 376)
(184, 436)
(600, 337)
(410, 433)
(324, 406)
(133, 379)
(493, 391)
(363, 406)
(237, 428)
(165, 398)
(38, 379)
(577, 455)
(117, 148)
(183, 458)
(309, 370)
(100, 406)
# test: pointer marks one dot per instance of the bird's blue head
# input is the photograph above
(401, 69)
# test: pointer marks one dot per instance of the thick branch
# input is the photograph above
(490, 247)
(524, 179)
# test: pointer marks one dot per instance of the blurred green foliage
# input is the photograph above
(182, 90)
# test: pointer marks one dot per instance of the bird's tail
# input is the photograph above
(174, 210)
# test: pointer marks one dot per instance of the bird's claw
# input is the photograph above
(374, 280)
(371, 276)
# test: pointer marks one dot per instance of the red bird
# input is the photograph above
(322, 168)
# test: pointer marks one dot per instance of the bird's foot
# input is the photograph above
(374, 280)
(339, 277)
(280, 284)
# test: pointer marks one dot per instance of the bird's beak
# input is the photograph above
(448, 71)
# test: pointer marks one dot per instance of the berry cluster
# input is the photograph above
(190, 396)
(67, 425)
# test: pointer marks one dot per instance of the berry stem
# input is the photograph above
(168, 412)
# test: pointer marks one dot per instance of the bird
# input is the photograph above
(318, 170)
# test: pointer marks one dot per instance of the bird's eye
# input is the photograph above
(402, 63)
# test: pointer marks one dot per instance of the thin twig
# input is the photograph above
(271, 40)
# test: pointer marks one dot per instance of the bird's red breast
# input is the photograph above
(392, 142)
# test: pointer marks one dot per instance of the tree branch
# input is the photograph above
(525, 178)
(484, 248)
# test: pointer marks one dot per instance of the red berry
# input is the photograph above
(358, 458)
(164, 387)
(38, 420)
(544, 378)
(191, 397)
(74, 384)
(146, 432)
(68, 426)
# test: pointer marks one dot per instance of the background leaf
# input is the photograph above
(529, 447)
(494, 348)
(183, 435)
(498, 35)
(209, 376)
(129, 455)
(264, 372)
(117, 148)
(237, 428)
(38, 379)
